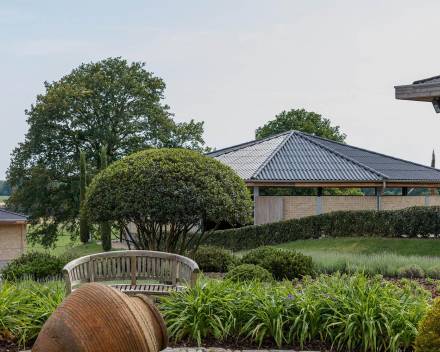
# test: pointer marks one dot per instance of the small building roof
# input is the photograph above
(9, 216)
(301, 157)
(426, 89)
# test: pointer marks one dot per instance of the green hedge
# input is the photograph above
(410, 222)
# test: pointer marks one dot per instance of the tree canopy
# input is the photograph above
(112, 104)
(303, 121)
(166, 193)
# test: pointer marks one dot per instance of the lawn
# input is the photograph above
(81, 250)
(370, 245)
(3, 198)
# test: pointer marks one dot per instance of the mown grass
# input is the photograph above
(3, 198)
(371, 245)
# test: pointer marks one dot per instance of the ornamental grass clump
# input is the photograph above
(26, 305)
(344, 311)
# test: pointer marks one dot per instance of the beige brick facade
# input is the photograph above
(12, 241)
(334, 203)
(299, 206)
(400, 202)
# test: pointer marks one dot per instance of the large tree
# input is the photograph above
(166, 193)
(311, 123)
(303, 121)
(110, 103)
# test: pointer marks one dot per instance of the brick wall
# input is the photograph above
(334, 203)
(299, 206)
(400, 202)
(11, 245)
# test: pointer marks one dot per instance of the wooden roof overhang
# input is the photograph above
(12, 222)
(342, 184)
(418, 92)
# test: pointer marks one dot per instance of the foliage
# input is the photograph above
(35, 265)
(165, 193)
(346, 311)
(249, 272)
(109, 103)
(5, 188)
(429, 281)
(281, 263)
(106, 234)
(428, 339)
(386, 264)
(83, 225)
(26, 305)
(433, 272)
(215, 259)
(412, 222)
(303, 121)
(410, 271)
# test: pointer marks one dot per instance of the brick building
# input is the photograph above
(298, 160)
(12, 236)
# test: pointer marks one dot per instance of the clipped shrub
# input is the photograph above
(433, 272)
(35, 265)
(410, 271)
(412, 222)
(428, 338)
(249, 272)
(281, 263)
(215, 259)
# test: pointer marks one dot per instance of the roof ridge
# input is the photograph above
(421, 81)
(271, 155)
(373, 152)
(310, 139)
(245, 144)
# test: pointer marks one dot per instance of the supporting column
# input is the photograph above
(256, 194)
(319, 201)
(379, 192)
(427, 201)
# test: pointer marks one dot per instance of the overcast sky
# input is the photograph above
(236, 64)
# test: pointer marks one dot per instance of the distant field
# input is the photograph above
(371, 245)
(3, 198)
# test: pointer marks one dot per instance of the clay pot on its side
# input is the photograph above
(97, 317)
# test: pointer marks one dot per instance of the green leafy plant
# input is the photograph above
(215, 259)
(429, 281)
(433, 272)
(281, 263)
(410, 222)
(35, 265)
(249, 272)
(428, 338)
(410, 271)
(165, 193)
(346, 311)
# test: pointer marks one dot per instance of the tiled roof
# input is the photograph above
(9, 216)
(435, 79)
(297, 156)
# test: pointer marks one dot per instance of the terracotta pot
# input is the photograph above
(97, 317)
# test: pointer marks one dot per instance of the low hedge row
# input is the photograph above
(411, 222)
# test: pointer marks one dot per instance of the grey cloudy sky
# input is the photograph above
(236, 64)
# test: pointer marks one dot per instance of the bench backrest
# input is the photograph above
(131, 265)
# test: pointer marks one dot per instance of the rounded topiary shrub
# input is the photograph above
(410, 271)
(215, 259)
(36, 266)
(433, 272)
(281, 263)
(428, 338)
(249, 272)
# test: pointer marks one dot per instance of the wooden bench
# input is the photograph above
(170, 272)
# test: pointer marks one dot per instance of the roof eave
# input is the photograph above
(418, 92)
